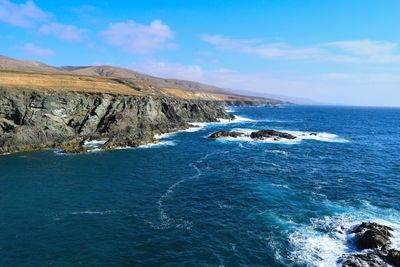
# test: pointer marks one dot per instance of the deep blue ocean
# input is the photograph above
(191, 201)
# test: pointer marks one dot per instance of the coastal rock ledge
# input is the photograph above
(34, 120)
(372, 244)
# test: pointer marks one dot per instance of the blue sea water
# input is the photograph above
(191, 201)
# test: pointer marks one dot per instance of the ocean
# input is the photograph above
(192, 201)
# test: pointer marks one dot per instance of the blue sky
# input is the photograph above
(344, 52)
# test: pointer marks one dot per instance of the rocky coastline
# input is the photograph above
(371, 243)
(36, 120)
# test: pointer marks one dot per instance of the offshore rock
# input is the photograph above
(220, 134)
(372, 241)
(372, 235)
(271, 133)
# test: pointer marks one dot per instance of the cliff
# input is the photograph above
(62, 107)
(32, 120)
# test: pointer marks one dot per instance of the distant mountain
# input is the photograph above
(114, 80)
(110, 71)
(7, 63)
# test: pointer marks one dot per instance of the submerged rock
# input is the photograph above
(220, 134)
(271, 134)
(372, 235)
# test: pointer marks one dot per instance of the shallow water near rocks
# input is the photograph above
(194, 201)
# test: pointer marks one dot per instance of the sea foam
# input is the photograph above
(300, 136)
(323, 241)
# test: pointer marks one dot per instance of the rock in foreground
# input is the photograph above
(361, 260)
(372, 241)
(372, 235)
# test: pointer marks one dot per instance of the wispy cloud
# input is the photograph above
(353, 51)
(65, 32)
(332, 87)
(22, 15)
(170, 70)
(137, 38)
(34, 50)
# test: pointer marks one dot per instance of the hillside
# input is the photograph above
(25, 74)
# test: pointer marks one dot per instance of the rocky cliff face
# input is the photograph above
(32, 120)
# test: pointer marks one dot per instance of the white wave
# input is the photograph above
(278, 152)
(280, 185)
(91, 212)
(164, 135)
(316, 249)
(166, 220)
(323, 137)
(197, 126)
(238, 119)
(324, 241)
(94, 143)
(158, 144)
(300, 136)
(246, 138)
(229, 110)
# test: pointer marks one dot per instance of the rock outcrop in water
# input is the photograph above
(372, 235)
(372, 241)
(271, 134)
(220, 134)
(32, 120)
(276, 135)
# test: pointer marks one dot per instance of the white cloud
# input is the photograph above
(23, 15)
(138, 38)
(64, 32)
(367, 50)
(354, 51)
(168, 70)
(34, 50)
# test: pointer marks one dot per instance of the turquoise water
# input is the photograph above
(197, 202)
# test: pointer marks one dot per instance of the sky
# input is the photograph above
(331, 51)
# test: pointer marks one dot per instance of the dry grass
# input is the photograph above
(63, 83)
(205, 96)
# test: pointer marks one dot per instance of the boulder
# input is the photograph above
(372, 236)
(393, 257)
(362, 260)
(220, 134)
(271, 134)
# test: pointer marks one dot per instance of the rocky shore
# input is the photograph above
(35, 119)
(371, 242)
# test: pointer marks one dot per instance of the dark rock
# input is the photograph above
(362, 260)
(393, 257)
(32, 120)
(220, 134)
(372, 235)
(271, 133)
(231, 117)
(313, 134)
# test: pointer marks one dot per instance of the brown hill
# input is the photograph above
(107, 79)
